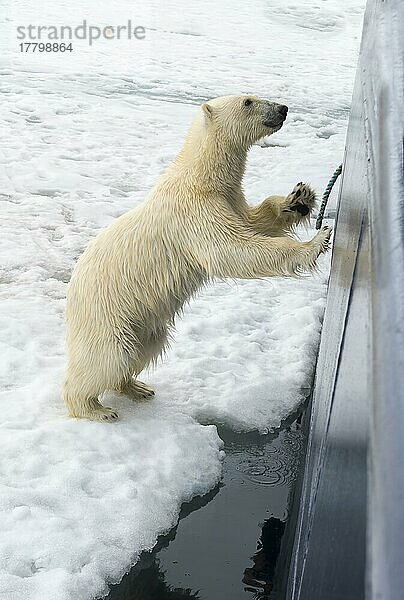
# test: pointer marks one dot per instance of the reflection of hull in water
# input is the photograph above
(206, 556)
(261, 575)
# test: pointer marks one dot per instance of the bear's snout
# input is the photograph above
(276, 115)
(283, 109)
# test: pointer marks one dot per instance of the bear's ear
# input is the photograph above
(208, 110)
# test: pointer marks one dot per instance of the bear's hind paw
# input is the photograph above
(98, 413)
(107, 414)
(137, 390)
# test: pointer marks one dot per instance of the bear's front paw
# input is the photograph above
(300, 201)
(322, 239)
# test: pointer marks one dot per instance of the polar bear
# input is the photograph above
(195, 225)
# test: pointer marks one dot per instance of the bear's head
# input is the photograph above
(243, 120)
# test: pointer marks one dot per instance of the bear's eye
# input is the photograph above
(247, 102)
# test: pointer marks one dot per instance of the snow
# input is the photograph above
(81, 502)
(244, 354)
(83, 139)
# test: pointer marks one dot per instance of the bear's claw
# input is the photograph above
(111, 416)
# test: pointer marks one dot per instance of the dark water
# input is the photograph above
(228, 544)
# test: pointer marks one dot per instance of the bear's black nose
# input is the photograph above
(283, 110)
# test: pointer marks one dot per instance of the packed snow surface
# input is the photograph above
(84, 136)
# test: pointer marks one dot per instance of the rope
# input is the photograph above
(326, 195)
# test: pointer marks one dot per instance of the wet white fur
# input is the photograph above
(195, 225)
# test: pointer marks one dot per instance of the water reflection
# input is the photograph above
(208, 557)
(148, 580)
(259, 578)
(151, 585)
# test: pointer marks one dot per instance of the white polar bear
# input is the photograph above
(195, 225)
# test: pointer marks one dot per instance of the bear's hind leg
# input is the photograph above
(151, 349)
(89, 377)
